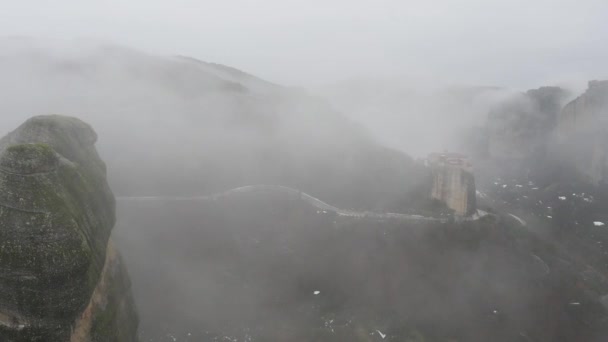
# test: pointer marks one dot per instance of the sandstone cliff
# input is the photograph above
(60, 279)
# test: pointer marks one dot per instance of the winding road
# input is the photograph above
(315, 202)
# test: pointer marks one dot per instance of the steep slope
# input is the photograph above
(249, 81)
(269, 266)
(521, 125)
(56, 216)
(582, 128)
(516, 140)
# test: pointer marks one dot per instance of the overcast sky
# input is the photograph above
(517, 43)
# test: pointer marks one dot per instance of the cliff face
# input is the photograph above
(582, 130)
(56, 216)
(586, 111)
(520, 126)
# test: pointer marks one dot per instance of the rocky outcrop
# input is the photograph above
(453, 182)
(581, 131)
(57, 269)
(586, 111)
(520, 126)
(110, 314)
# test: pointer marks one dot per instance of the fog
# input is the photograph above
(516, 43)
(193, 127)
(340, 103)
(105, 82)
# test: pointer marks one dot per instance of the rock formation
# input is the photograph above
(60, 278)
(582, 129)
(586, 111)
(453, 182)
(519, 126)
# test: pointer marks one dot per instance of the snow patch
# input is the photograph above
(522, 222)
(381, 334)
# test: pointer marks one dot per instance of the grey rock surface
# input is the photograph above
(56, 216)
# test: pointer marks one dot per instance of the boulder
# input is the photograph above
(56, 215)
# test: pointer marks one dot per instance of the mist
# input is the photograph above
(518, 44)
(343, 171)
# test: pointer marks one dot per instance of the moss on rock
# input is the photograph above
(56, 216)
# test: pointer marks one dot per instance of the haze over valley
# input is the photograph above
(287, 172)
